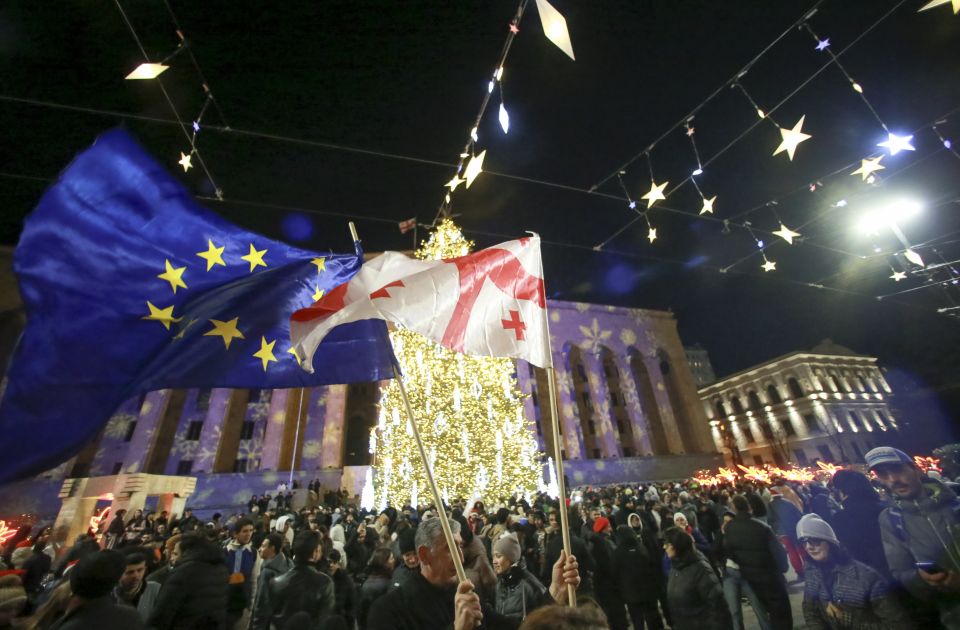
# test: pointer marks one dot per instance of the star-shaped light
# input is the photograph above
(791, 138)
(226, 330)
(868, 166)
(453, 183)
(937, 3)
(255, 258)
(768, 265)
(321, 264)
(690, 131)
(474, 167)
(655, 194)
(787, 234)
(185, 161)
(823, 44)
(196, 126)
(213, 255)
(317, 294)
(708, 205)
(652, 234)
(162, 315)
(895, 144)
(174, 275)
(898, 276)
(514, 28)
(265, 353)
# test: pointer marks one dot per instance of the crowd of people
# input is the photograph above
(879, 551)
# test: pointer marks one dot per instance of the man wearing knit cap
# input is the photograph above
(607, 589)
(91, 582)
(920, 532)
(408, 552)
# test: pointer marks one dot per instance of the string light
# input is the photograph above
(146, 71)
(936, 3)
(895, 144)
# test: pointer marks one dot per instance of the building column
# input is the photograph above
(572, 438)
(129, 502)
(332, 445)
(607, 435)
(527, 386)
(641, 437)
(74, 518)
(143, 442)
(668, 416)
(272, 437)
(212, 430)
(171, 504)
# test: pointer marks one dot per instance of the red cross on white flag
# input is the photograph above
(490, 303)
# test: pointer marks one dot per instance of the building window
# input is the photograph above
(240, 465)
(130, 430)
(773, 395)
(857, 451)
(586, 400)
(795, 389)
(535, 399)
(758, 460)
(117, 467)
(788, 427)
(194, 429)
(591, 427)
(596, 453)
(854, 420)
(882, 419)
(810, 420)
(766, 430)
(619, 426)
(582, 372)
(801, 456)
(753, 401)
(825, 453)
(246, 431)
(737, 405)
(748, 434)
(184, 466)
(203, 400)
(627, 451)
(721, 410)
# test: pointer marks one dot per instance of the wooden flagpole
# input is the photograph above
(437, 499)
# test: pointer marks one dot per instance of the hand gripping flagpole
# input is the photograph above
(437, 499)
(557, 450)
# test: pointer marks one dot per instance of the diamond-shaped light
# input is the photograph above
(147, 71)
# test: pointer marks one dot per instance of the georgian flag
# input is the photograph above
(489, 303)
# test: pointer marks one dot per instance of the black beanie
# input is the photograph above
(406, 540)
(97, 574)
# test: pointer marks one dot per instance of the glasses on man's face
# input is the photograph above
(812, 542)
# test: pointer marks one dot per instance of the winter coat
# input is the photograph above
(584, 558)
(195, 593)
(478, 569)
(859, 592)
(146, 602)
(637, 575)
(695, 595)
(519, 592)
(754, 547)
(783, 517)
(857, 527)
(371, 590)
(101, 614)
(925, 530)
(346, 600)
(301, 589)
(274, 567)
(239, 559)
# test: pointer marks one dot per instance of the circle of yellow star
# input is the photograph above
(791, 138)
(226, 330)
(708, 205)
(265, 353)
(174, 275)
(185, 161)
(162, 315)
(321, 264)
(255, 258)
(868, 166)
(937, 3)
(787, 234)
(213, 255)
(655, 194)
(474, 167)
(768, 265)
(317, 294)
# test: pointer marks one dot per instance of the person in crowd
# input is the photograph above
(920, 532)
(91, 582)
(239, 557)
(580, 552)
(13, 600)
(132, 589)
(783, 516)
(379, 580)
(346, 600)
(693, 589)
(554, 617)
(359, 547)
(857, 523)
(638, 579)
(410, 564)
(518, 590)
(303, 588)
(606, 588)
(115, 530)
(433, 599)
(680, 520)
(194, 595)
(761, 561)
(274, 563)
(735, 588)
(841, 592)
(475, 561)
(171, 553)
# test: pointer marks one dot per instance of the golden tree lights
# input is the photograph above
(469, 412)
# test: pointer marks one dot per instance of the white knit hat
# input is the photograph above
(812, 526)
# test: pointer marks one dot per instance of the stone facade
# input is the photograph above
(828, 404)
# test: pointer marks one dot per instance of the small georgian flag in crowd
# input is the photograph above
(489, 303)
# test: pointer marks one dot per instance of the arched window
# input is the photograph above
(581, 399)
(837, 384)
(683, 422)
(773, 395)
(753, 401)
(648, 404)
(721, 410)
(794, 386)
(620, 419)
(737, 405)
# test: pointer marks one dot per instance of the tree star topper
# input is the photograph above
(655, 194)
(787, 234)
(868, 166)
(453, 183)
(791, 138)
(474, 167)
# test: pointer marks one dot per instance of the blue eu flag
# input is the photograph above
(130, 286)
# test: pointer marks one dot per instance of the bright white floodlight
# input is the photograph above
(889, 216)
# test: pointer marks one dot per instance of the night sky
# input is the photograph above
(376, 100)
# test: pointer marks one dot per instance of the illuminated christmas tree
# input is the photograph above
(469, 412)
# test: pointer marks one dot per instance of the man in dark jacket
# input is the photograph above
(857, 525)
(275, 564)
(762, 560)
(90, 606)
(240, 557)
(195, 593)
(303, 588)
(605, 579)
(783, 517)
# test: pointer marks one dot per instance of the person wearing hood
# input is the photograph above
(475, 561)
(693, 590)
(517, 591)
(195, 593)
(274, 564)
(840, 592)
(920, 532)
(638, 575)
(680, 520)
(857, 524)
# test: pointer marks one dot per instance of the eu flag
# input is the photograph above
(130, 286)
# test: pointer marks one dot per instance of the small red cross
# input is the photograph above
(514, 324)
(382, 291)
